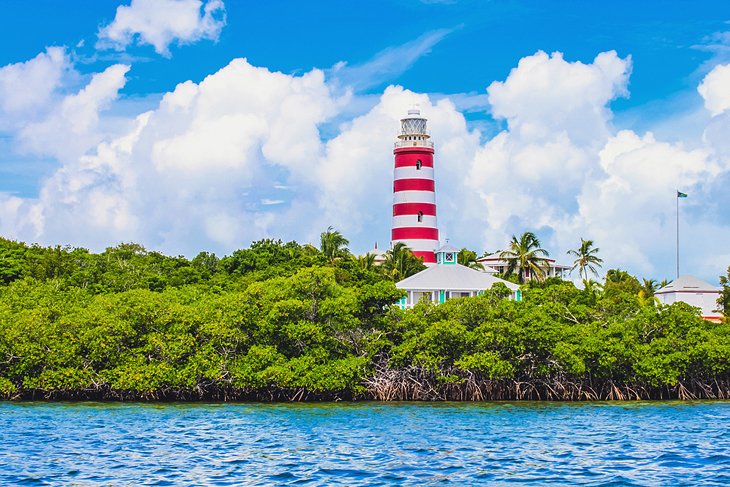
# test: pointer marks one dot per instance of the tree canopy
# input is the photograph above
(283, 321)
(525, 256)
(586, 259)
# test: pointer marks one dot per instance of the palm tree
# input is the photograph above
(400, 262)
(592, 287)
(366, 262)
(617, 276)
(525, 255)
(586, 259)
(333, 245)
(647, 290)
(468, 258)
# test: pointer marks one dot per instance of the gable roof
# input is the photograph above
(448, 248)
(453, 277)
(688, 284)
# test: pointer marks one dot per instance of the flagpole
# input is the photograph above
(677, 198)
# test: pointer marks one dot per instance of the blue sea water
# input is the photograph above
(675, 443)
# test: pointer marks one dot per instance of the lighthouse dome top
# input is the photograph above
(414, 126)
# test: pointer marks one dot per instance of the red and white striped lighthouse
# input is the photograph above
(414, 192)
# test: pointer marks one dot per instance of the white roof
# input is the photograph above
(448, 248)
(495, 259)
(453, 277)
(688, 284)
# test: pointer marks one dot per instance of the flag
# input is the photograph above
(681, 195)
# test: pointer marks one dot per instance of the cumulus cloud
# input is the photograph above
(71, 128)
(561, 168)
(545, 92)
(210, 151)
(557, 120)
(630, 208)
(27, 88)
(242, 155)
(715, 89)
(161, 23)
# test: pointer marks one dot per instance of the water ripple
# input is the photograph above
(597, 444)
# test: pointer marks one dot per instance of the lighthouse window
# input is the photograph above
(418, 164)
(420, 217)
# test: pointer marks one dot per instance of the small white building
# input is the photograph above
(695, 292)
(448, 280)
(552, 268)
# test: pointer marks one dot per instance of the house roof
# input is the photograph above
(454, 277)
(448, 248)
(688, 284)
(497, 260)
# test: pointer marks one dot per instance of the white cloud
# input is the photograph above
(161, 23)
(630, 210)
(27, 88)
(241, 156)
(192, 173)
(71, 128)
(544, 92)
(386, 64)
(561, 169)
(557, 117)
(715, 89)
(47, 108)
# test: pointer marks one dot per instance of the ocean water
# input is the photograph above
(669, 443)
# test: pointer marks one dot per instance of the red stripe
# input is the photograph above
(428, 256)
(419, 149)
(413, 185)
(409, 159)
(415, 233)
(413, 209)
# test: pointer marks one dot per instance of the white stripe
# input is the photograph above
(414, 197)
(412, 221)
(412, 172)
(422, 245)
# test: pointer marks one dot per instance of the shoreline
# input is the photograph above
(471, 392)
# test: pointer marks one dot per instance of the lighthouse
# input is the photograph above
(414, 191)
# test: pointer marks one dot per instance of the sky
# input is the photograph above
(204, 125)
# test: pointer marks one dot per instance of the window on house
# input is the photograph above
(420, 217)
(418, 164)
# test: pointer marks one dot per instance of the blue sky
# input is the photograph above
(485, 39)
(374, 59)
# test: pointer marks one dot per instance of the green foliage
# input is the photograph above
(723, 302)
(285, 321)
(586, 259)
(401, 263)
(333, 245)
(524, 257)
(469, 258)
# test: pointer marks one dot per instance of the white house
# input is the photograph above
(694, 292)
(552, 268)
(447, 280)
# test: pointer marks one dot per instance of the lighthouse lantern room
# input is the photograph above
(414, 192)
